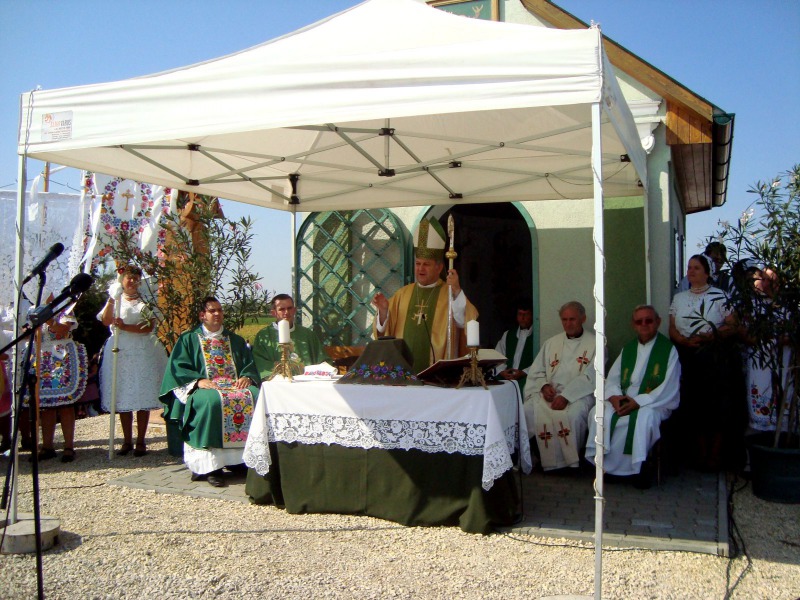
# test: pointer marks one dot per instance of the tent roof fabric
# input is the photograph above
(390, 103)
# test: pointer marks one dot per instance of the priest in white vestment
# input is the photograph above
(560, 391)
(643, 388)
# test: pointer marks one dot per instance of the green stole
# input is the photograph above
(654, 375)
(526, 360)
(417, 330)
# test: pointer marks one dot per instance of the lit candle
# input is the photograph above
(473, 334)
(283, 332)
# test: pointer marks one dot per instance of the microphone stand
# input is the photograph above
(30, 329)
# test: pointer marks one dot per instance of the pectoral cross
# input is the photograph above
(420, 314)
(127, 195)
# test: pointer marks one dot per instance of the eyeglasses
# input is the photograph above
(647, 321)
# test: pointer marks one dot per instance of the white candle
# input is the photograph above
(283, 332)
(473, 333)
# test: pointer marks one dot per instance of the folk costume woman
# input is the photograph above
(5, 404)
(140, 362)
(62, 381)
(712, 384)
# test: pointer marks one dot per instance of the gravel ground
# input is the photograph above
(118, 542)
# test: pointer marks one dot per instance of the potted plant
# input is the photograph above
(764, 256)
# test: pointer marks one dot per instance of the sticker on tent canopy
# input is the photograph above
(57, 126)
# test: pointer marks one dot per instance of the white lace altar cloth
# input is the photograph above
(469, 421)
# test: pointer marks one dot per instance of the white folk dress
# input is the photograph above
(141, 363)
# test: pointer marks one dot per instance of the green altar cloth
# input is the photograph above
(410, 487)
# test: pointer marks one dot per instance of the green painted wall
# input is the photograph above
(625, 268)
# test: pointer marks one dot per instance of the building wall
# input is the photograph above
(564, 230)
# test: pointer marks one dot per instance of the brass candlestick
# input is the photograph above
(283, 367)
(472, 375)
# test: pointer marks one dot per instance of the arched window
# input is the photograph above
(343, 258)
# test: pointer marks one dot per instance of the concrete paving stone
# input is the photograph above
(682, 534)
(133, 484)
(652, 524)
(168, 489)
(553, 523)
(673, 516)
(188, 484)
(704, 533)
(206, 493)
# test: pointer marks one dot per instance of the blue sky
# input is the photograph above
(742, 56)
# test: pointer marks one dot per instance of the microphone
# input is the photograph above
(52, 254)
(79, 284)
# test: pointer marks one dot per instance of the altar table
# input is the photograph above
(417, 455)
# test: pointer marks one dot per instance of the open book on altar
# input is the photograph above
(447, 372)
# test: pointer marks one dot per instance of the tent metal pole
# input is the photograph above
(292, 240)
(648, 287)
(599, 357)
(22, 179)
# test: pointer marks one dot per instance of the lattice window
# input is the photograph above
(343, 258)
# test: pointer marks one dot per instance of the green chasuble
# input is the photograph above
(200, 419)
(525, 360)
(654, 374)
(426, 337)
(305, 342)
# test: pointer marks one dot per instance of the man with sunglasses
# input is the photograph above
(642, 390)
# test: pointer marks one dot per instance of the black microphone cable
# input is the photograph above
(430, 341)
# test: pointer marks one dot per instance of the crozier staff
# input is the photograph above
(418, 312)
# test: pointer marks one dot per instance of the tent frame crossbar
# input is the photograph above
(235, 175)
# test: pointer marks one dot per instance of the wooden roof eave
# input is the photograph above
(699, 133)
(627, 61)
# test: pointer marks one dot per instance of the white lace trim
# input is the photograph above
(351, 432)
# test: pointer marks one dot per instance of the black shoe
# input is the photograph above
(240, 469)
(44, 454)
(216, 478)
(125, 449)
(68, 455)
(198, 477)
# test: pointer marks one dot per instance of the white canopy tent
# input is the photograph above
(390, 103)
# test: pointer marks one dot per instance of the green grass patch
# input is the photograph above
(251, 328)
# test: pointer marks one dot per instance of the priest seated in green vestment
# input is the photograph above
(642, 389)
(306, 347)
(517, 346)
(418, 312)
(209, 391)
